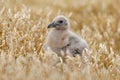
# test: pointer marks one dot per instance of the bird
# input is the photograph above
(61, 38)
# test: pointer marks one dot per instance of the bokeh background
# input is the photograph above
(23, 30)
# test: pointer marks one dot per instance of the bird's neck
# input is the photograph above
(59, 32)
(58, 38)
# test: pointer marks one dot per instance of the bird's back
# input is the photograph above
(76, 44)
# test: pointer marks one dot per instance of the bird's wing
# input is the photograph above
(77, 45)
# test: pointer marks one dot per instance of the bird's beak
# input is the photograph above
(52, 25)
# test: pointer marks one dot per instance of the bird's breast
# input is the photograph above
(58, 40)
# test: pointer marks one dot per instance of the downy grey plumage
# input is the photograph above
(61, 38)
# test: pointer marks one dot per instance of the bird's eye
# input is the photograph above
(60, 21)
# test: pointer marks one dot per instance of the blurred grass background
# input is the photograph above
(23, 29)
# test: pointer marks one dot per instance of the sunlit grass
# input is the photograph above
(23, 30)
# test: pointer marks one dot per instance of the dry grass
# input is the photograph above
(23, 29)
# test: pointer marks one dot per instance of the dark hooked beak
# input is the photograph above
(52, 25)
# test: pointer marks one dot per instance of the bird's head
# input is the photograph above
(60, 23)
